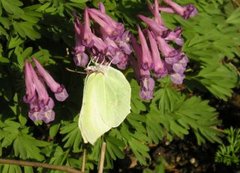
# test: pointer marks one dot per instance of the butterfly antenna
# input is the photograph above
(74, 71)
(109, 64)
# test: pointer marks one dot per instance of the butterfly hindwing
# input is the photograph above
(106, 102)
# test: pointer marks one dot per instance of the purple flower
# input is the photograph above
(147, 87)
(175, 36)
(99, 45)
(59, 90)
(178, 68)
(184, 60)
(171, 55)
(158, 65)
(137, 64)
(184, 11)
(108, 43)
(40, 90)
(145, 57)
(123, 42)
(81, 59)
(177, 78)
(77, 27)
(40, 104)
(109, 27)
(30, 95)
(157, 15)
(136, 47)
(87, 34)
(101, 7)
(154, 26)
(166, 9)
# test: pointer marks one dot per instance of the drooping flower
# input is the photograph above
(155, 27)
(80, 57)
(164, 47)
(145, 57)
(40, 104)
(101, 7)
(171, 54)
(109, 40)
(158, 65)
(177, 78)
(155, 11)
(184, 11)
(147, 85)
(174, 36)
(87, 35)
(30, 95)
(109, 27)
(59, 90)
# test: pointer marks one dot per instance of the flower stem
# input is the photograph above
(102, 158)
(84, 160)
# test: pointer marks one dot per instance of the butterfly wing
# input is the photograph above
(93, 108)
(118, 97)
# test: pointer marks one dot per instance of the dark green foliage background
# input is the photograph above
(44, 29)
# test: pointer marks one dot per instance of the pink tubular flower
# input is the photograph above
(166, 9)
(158, 65)
(155, 27)
(59, 90)
(30, 95)
(86, 30)
(80, 58)
(101, 7)
(171, 55)
(155, 11)
(185, 11)
(109, 27)
(177, 78)
(40, 104)
(147, 87)
(175, 36)
(108, 42)
(145, 53)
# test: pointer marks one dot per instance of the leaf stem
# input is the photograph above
(38, 164)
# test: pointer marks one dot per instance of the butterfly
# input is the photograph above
(106, 101)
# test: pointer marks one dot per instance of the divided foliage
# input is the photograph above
(44, 29)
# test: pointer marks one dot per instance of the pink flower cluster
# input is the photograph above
(106, 42)
(156, 55)
(37, 97)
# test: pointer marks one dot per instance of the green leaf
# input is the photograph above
(13, 7)
(115, 147)
(59, 158)
(72, 136)
(234, 18)
(178, 115)
(22, 119)
(212, 75)
(12, 169)
(5, 22)
(14, 42)
(28, 169)
(54, 130)
(136, 103)
(140, 150)
(21, 147)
